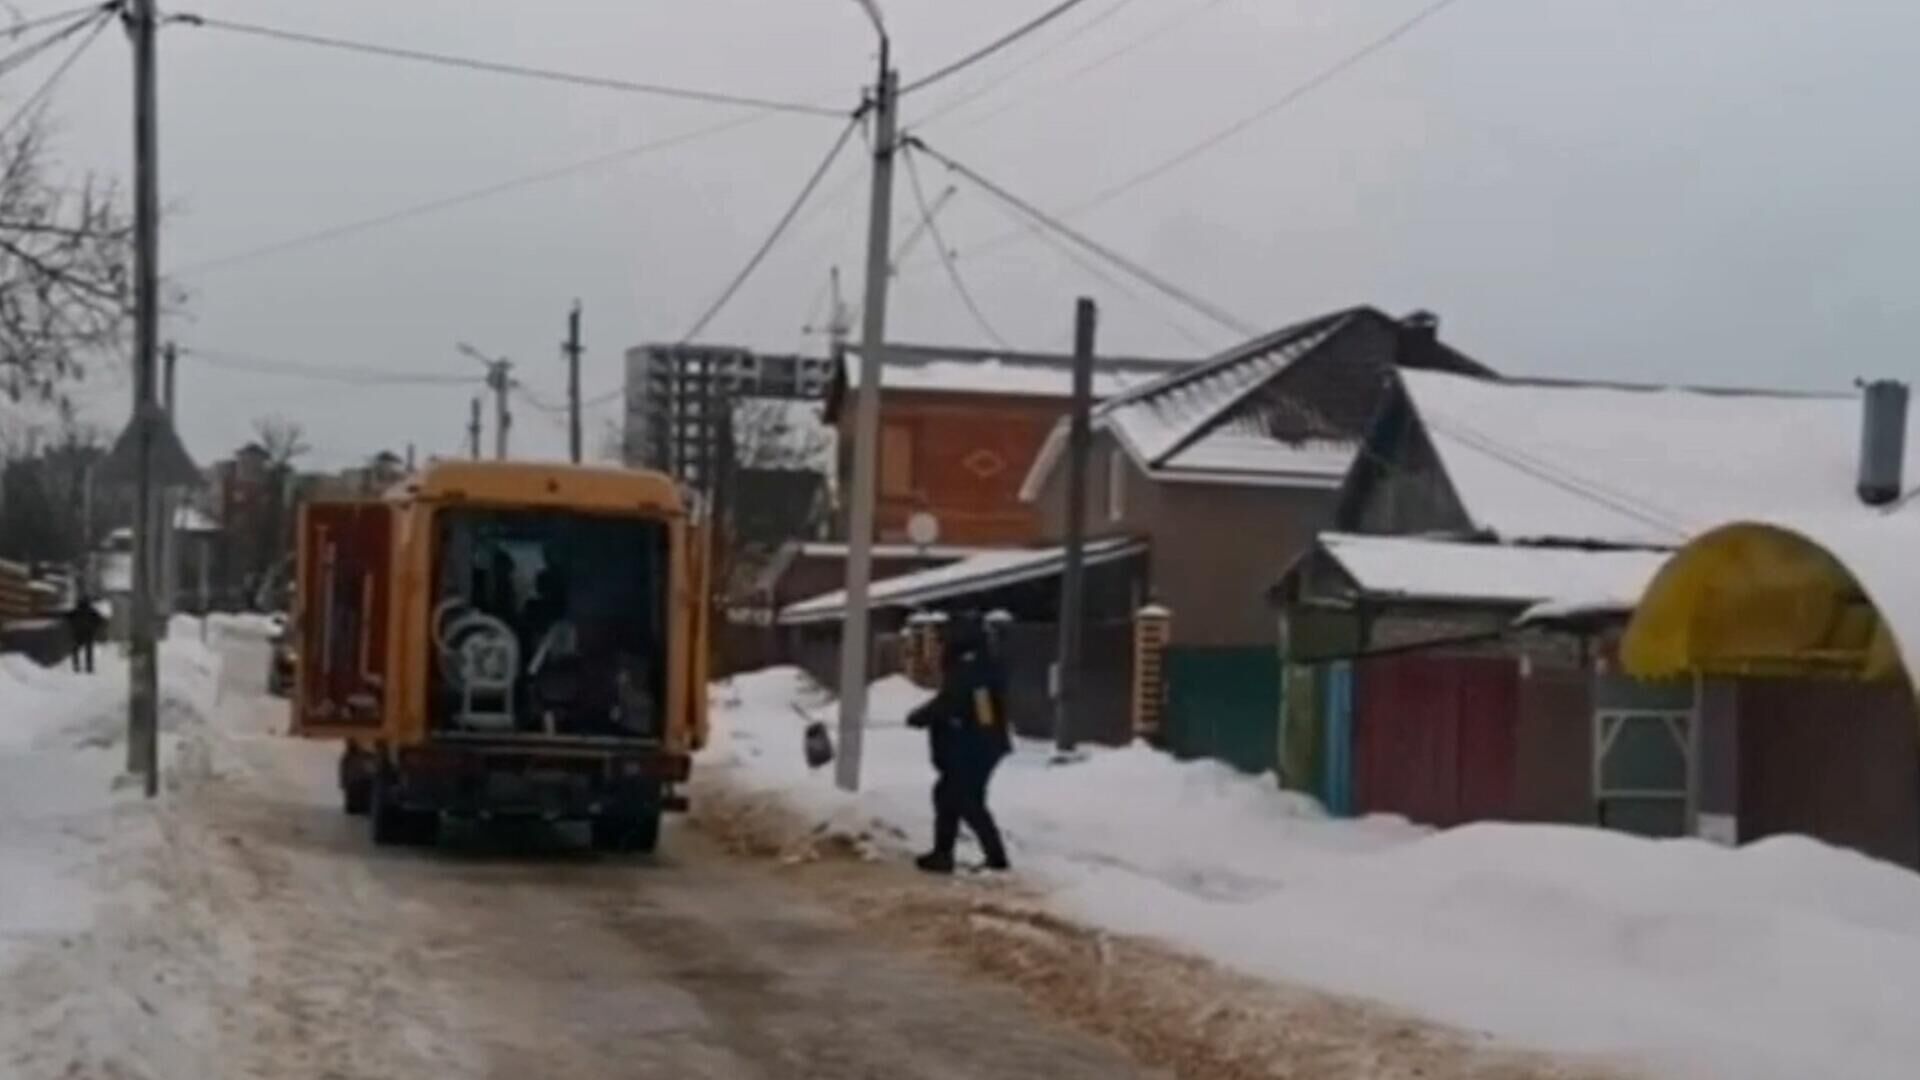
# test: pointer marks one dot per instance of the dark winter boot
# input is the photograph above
(934, 862)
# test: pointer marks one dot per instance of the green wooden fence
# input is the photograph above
(1224, 703)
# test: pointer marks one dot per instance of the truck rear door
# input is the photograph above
(341, 589)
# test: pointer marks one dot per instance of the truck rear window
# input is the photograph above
(549, 622)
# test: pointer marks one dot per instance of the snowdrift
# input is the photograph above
(1785, 958)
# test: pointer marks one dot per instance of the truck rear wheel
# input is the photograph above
(357, 797)
(356, 781)
(394, 825)
(630, 832)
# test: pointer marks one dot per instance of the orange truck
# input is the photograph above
(506, 640)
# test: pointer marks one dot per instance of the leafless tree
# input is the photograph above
(285, 443)
(770, 433)
(65, 257)
(284, 440)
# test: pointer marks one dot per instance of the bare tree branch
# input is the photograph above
(65, 258)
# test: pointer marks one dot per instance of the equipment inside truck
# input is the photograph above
(549, 623)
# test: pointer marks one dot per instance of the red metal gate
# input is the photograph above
(1434, 737)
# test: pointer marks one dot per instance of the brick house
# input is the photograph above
(959, 429)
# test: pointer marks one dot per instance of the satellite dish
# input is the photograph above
(923, 529)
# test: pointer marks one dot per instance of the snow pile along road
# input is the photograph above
(79, 936)
(1786, 958)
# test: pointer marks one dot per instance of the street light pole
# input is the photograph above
(855, 643)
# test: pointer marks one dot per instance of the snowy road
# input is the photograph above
(265, 936)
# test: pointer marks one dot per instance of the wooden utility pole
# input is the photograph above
(143, 689)
(573, 350)
(1072, 585)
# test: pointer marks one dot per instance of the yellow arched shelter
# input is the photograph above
(1836, 598)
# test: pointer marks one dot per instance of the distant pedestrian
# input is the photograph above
(967, 733)
(83, 628)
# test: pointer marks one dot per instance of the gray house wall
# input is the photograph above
(1399, 486)
(1216, 547)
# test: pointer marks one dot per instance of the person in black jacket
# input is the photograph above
(83, 627)
(967, 733)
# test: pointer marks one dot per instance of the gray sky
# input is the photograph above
(1701, 190)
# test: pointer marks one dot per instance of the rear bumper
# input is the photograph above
(494, 780)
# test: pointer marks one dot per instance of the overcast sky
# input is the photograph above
(1701, 190)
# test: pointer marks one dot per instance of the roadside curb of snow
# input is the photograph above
(1169, 1010)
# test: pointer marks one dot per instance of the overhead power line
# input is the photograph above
(1157, 32)
(520, 70)
(779, 228)
(15, 29)
(1042, 218)
(392, 217)
(461, 198)
(1071, 36)
(98, 21)
(79, 17)
(355, 376)
(993, 46)
(946, 257)
(1292, 97)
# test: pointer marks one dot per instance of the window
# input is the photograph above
(896, 460)
(1116, 484)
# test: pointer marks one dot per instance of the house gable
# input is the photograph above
(1398, 485)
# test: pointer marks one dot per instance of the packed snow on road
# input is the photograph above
(1786, 958)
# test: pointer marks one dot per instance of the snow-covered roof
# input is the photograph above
(1445, 571)
(837, 549)
(1212, 423)
(190, 519)
(972, 371)
(1157, 420)
(1638, 465)
(976, 573)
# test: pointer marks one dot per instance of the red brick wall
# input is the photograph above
(970, 453)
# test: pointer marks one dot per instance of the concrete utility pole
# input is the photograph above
(499, 380)
(473, 431)
(166, 537)
(172, 357)
(573, 350)
(855, 644)
(1072, 585)
(143, 689)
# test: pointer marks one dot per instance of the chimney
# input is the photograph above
(1419, 345)
(1883, 440)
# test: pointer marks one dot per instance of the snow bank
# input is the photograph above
(62, 755)
(1786, 958)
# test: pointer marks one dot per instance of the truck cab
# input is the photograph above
(496, 640)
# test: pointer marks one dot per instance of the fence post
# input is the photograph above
(913, 648)
(933, 632)
(1152, 630)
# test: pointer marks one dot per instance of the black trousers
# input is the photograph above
(960, 794)
(83, 655)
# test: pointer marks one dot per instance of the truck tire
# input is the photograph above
(356, 797)
(394, 825)
(632, 832)
(356, 781)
